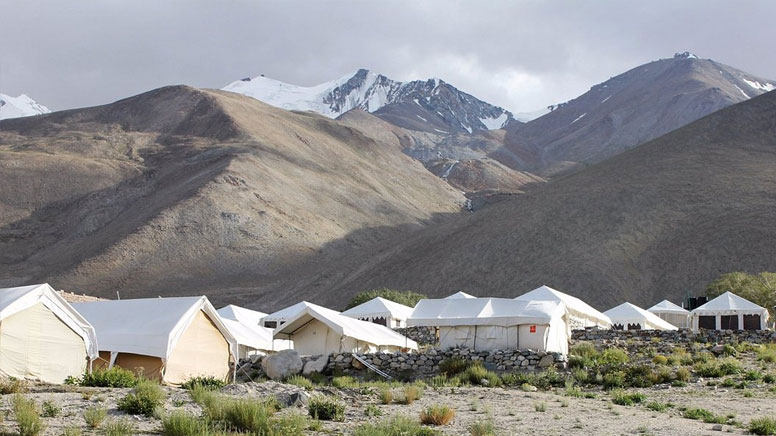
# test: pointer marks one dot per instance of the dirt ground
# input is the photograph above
(513, 410)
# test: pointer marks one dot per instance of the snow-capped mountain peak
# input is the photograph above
(21, 106)
(451, 110)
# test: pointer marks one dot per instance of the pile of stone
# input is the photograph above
(678, 337)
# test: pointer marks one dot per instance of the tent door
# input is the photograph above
(751, 322)
(728, 322)
(708, 322)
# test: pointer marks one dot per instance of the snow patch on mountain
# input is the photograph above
(370, 91)
(21, 106)
(767, 87)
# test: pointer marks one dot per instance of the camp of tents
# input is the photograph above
(174, 339)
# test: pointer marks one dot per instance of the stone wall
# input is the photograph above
(421, 335)
(683, 336)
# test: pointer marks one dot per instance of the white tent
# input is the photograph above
(459, 295)
(381, 311)
(277, 319)
(672, 313)
(170, 339)
(730, 312)
(581, 314)
(628, 316)
(317, 330)
(495, 323)
(42, 337)
(252, 338)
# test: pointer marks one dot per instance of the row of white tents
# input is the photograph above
(44, 337)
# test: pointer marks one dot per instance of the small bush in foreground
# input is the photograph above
(409, 395)
(143, 400)
(110, 378)
(12, 386)
(28, 421)
(396, 426)
(767, 353)
(182, 424)
(121, 427)
(482, 428)
(372, 410)
(454, 366)
(540, 406)
(326, 408)
(385, 394)
(657, 406)
(344, 381)
(475, 374)
(50, 409)
(300, 381)
(763, 426)
(622, 398)
(94, 416)
(704, 415)
(437, 415)
(71, 431)
(660, 360)
(210, 383)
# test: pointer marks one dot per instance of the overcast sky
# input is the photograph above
(522, 55)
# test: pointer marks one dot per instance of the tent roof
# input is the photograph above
(484, 311)
(666, 306)
(575, 306)
(379, 306)
(345, 326)
(627, 313)
(148, 326)
(729, 303)
(288, 312)
(15, 300)
(245, 316)
(458, 295)
(244, 325)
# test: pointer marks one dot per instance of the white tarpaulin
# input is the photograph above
(729, 311)
(495, 323)
(317, 330)
(674, 314)
(581, 314)
(186, 333)
(627, 316)
(381, 311)
(458, 295)
(276, 319)
(42, 337)
(251, 336)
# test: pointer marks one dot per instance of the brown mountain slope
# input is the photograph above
(185, 191)
(630, 109)
(658, 221)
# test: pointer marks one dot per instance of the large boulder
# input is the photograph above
(282, 364)
(316, 365)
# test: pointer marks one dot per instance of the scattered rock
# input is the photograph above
(717, 427)
(315, 365)
(293, 399)
(282, 364)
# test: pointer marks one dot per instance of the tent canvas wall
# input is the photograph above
(459, 295)
(495, 323)
(381, 311)
(317, 330)
(729, 312)
(171, 339)
(628, 316)
(672, 313)
(581, 314)
(42, 337)
(277, 319)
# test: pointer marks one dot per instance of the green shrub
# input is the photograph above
(640, 376)
(622, 398)
(613, 355)
(396, 426)
(110, 378)
(680, 356)
(179, 423)
(454, 366)
(437, 415)
(550, 377)
(614, 379)
(210, 383)
(372, 410)
(409, 395)
(763, 426)
(753, 375)
(769, 378)
(660, 360)
(50, 409)
(300, 381)
(28, 422)
(71, 430)
(344, 381)
(682, 374)
(326, 408)
(728, 382)
(143, 400)
(767, 353)
(540, 406)
(94, 416)
(657, 406)
(246, 415)
(514, 378)
(580, 375)
(121, 427)
(482, 428)
(476, 373)
(718, 368)
(704, 415)
(386, 395)
(729, 350)
(12, 385)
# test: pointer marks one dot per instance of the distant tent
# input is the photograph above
(169, 339)
(672, 313)
(42, 337)
(277, 319)
(316, 330)
(252, 337)
(459, 295)
(729, 312)
(495, 323)
(381, 311)
(581, 314)
(628, 316)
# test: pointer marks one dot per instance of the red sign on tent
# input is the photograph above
(533, 329)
